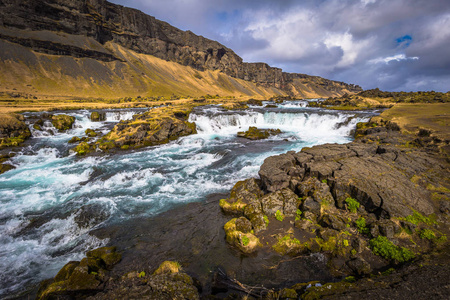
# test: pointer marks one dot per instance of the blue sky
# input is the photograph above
(396, 45)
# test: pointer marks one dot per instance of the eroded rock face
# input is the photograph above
(366, 204)
(103, 22)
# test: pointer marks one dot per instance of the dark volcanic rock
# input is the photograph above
(254, 133)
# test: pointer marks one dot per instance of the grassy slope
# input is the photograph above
(413, 116)
(51, 76)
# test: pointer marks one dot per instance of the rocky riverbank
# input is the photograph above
(378, 205)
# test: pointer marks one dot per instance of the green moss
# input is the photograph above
(417, 218)
(125, 147)
(324, 181)
(298, 215)
(388, 271)
(91, 133)
(82, 148)
(383, 247)
(142, 274)
(245, 240)
(345, 243)
(427, 234)
(361, 225)
(279, 216)
(350, 279)
(352, 204)
(266, 220)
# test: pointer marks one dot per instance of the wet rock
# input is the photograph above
(81, 278)
(63, 122)
(98, 116)
(254, 133)
(13, 130)
(6, 167)
(91, 215)
(74, 139)
(90, 133)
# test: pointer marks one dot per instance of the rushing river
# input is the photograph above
(53, 199)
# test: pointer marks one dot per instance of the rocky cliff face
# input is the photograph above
(106, 22)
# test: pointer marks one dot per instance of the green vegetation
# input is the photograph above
(266, 220)
(427, 234)
(383, 247)
(417, 218)
(245, 240)
(324, 181)
(361, 225)
(82, 149)
(142, 274)
(90, 133)
(352, 204)
(350, 279)
(279, 216)
(298, 215)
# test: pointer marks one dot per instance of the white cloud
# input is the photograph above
(386, 60)
(349, 46)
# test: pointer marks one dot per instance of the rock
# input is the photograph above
(243, 193)
(98, 116)
(243, 225)
(81, 278)
(91, 215)
(332, 221)
(74, 140)
(155, 127)
(245, 242)
(168, 267)
(13, 130)
(310, 205)
(63, 122)
(5, 168)
(359, 266)
(274, 172)
(90, 133)
(254, 133)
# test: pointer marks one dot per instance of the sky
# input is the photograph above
(395, 45)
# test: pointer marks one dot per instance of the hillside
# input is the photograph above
(92, 48)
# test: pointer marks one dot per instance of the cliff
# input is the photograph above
(89, 28)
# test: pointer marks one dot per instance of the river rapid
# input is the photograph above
(53, 200)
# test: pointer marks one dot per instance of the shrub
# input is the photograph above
(427, 234)
(417, 218)
(352, 204)
(385, 248)
(279, 216)
(361, 225)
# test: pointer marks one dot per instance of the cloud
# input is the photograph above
(386, 60)
(390, 44)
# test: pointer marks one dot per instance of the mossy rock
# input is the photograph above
(96, 116)
(5, 168)
(90, 133)
(168, 267)
(287, 245)
(83, 148)
(228, 206)
(108, 255)
(245, 242)
(254, 133)
(74, 139)
(63, 122)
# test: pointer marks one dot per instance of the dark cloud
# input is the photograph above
(391, 44)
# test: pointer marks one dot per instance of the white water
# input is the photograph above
(41, 199)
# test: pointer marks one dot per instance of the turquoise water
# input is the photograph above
(53, 199)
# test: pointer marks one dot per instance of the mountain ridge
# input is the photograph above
(56, 27)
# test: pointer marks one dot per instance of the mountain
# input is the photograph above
(96, 48)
